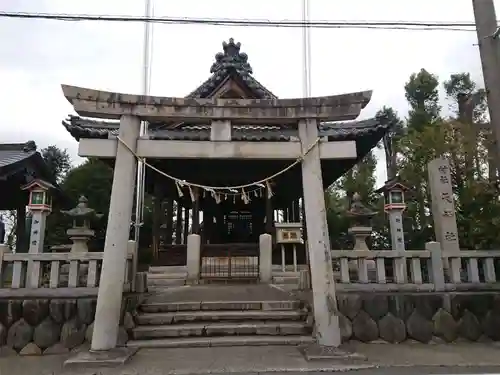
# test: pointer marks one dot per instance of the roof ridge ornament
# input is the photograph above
(231, 58)
(29, 146)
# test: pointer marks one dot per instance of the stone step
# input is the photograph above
(151, 306)
(167, 269)
(221, 329)
(288, 267)
(220, 341)
(285, 274)
(287, 287)
(197, 316)
(177, 275)
(285, 279)
(166, 282)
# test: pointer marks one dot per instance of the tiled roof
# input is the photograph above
(86, 128)
(230, 63)
(12, 153)
(234, 63)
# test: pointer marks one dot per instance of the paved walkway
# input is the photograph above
(265, 359)
(210, 293)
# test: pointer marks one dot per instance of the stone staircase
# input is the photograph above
(166, 276)
(286, 280)
(160, 277)
(220, 323)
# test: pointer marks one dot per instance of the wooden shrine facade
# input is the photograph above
(230, 131)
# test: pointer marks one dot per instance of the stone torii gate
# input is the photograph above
(305, 113)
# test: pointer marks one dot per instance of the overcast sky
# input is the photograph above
(37, 56)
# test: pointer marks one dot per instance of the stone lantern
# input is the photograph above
(361, 217)
(40, 206)
(361, 229)
(394, 205)
(81, 233)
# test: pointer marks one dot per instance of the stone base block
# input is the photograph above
(315, 351)
(108, 358)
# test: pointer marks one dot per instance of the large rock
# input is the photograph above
(89, 332)
(376, 306)
(3, 334)
(122, 338)
(401, 306)
(479, 304)
(491, 325)
(86, 310)
(392, 329)
(469, 327)
(7, 351)
(445, 326)
(69, 309)
(73, 333)
(427, 304)
(20, 334)
(47, 333)
(61, 310)
(57, 348)
(34, 311)
(345, 328)
(10, 312)
(349, 304)
(419, 328)
(364, 327)
(128, 321)
(31, 349)
(56, 310)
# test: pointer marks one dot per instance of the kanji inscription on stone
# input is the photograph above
(445, 196)
(444, 179)
(448, 213)
(443, 207)
(450, 236)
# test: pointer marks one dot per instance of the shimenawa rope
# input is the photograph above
(217, 191)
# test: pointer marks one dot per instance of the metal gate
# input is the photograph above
(229, 261)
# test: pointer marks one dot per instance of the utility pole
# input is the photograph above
(489, 49)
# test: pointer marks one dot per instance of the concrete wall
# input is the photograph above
(420, 317)
(34, 327)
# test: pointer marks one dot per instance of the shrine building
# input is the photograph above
(230, 156)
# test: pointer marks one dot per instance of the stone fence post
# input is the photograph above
(265, 258)
(193, 258)
(132, 250)
(437, 269)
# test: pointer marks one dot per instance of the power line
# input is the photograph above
(384, 25)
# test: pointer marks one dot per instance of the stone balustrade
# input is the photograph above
(57, 275)
(428, 270)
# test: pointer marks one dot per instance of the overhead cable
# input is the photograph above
(384, 25)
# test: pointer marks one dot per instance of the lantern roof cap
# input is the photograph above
(82, 210)
(393, 184)
(38, 183)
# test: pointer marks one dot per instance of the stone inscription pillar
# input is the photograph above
(109, 300)
(323, 288)
(443, 206)
(396, 225)
(37, 234)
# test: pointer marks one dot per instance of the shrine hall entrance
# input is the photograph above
(230, 246)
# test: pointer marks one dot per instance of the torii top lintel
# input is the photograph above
(111, 105)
